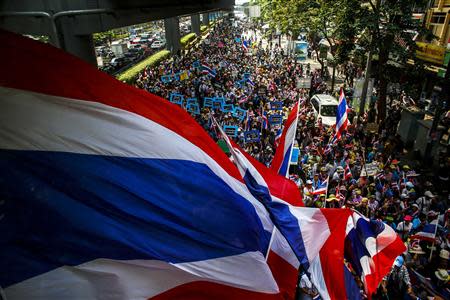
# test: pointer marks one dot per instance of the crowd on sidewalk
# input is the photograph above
(366, 169)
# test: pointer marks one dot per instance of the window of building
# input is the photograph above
(438, 18)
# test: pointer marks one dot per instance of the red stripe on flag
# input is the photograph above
(204, 290)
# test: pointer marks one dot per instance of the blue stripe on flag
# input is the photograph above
(281, 217)
(67, 209)
(285, 165)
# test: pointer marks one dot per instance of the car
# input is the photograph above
(118, 62)
(158, 44)
(325, 107)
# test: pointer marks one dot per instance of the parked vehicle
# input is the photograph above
(158, 44)
(119, 49)
(325, 107)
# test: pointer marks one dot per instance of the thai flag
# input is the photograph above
(245, 45)
(428, 232)
(380, 175)
(249, 81)
(347, 172)
(103, 213)
(341, 116)
(278, 137)
(265, 121)
(322, 188)
(207, 70)
(281, 160)
(371, 248)
(243, 99)
(394, 185)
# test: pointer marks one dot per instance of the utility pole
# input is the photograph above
(444, 97)
(362, 103)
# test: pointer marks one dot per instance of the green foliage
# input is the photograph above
(187, 39)
(130, 74)
(108, 36)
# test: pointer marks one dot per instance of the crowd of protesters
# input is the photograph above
(366, 169)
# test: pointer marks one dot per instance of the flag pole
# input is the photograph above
(271, 242)
(434, 242)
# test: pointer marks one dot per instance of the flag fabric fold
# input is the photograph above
(282, 157)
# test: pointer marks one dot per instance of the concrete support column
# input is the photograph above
(205, 18)
(78, 45)
(195, 24)
(172, 28)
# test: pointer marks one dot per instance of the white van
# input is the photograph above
(325, 107)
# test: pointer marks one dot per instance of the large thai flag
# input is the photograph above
(282, 158)
(207, 70)
(341, 116)
(111, 192)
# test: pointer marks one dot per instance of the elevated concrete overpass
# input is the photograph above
(71, 23)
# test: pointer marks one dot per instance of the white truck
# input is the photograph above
(119, 48)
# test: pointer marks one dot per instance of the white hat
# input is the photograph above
(442, 274)
(308, 181)
(444, 254)
(409, 184)
(429, 194)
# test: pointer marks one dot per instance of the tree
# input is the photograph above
(322, 20)
(390, 24)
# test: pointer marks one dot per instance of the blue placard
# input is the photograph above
(208, 102)
(193, 108)
(176, 98)
(191, 101)
(238, 40)
(239, 113)
(238, 84)
(218, 103)
(276, 119)
(246, 76)
(177, 76)
(228, 108)
(294, 156)
(166, 78)
(276, 105)
(196, 64)
(252, 136)
(231, 130)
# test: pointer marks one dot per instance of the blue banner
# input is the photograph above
(252, 136)
(238, 40)
(193, 108)
(231, 130)
(276, 105)
(176, 98)
(191, 101)
(276, 119)
(239, 113)
(246, 76)
(208, 102)
(196, 64)
(218, 103)
(228, 108)
(166, 78)
(294, 156)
